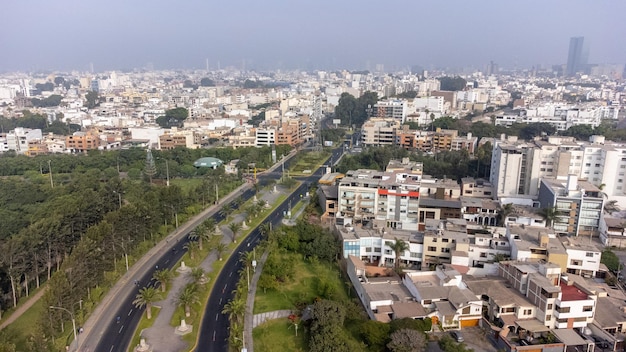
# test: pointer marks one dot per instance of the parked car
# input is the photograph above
(457, 336)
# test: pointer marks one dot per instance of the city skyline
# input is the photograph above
(69, 34)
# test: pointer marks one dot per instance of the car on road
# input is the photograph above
(457, 336)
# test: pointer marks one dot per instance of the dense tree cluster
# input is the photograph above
(53, 100)
(37, 121)
(452, 83)
(173, 118)
(207, 82)
(449, 164)
(353, 111)
(76, 233)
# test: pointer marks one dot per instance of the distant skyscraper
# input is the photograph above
(575, 59)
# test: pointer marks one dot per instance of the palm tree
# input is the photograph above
(192, 247)
(220, 248)
(247, 258)
(187, 296)
(235, 308)
(226, 210)
(234, 227)
(163, 277)
(549, 215)
(146, 297)
(235, 330)
(197, 274)
(504, 212)
(265, 229)
(399, 247)
(204, 231)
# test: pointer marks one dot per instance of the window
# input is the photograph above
(548, 317)
(428, 301)
(434, 240)
(562, 309)
(444, 240)
(528, 311)
(589, 254)
(432, 249)
(550, 306)
(587, 308)
(483, 255)
(445, 250)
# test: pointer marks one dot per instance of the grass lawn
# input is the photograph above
(309, 161)
(278, 335)
(186, 184)
(22, 326)
(303, 288)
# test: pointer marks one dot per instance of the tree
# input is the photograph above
(611, 260)
(265, 229)
(235, 309)
(326, 325)
(220, 248)
(549, 214)
(207, 82)
(197, 275)
(192, 247)
(611, 206)
(375, 334)
(399, 247)
(506, 210)
(346, 109)
(93, 99)
(146, 297)
(234, 227)
(187, 296)
(226, 210)
(407, 340)
(452, 83)
(173, 118)
(163, 277)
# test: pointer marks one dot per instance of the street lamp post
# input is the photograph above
(167, 173)
(73, 321)
(243, 342)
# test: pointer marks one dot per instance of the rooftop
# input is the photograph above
(572, 293)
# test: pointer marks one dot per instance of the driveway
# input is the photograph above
(475, 338)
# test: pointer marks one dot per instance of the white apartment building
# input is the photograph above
(17, 139)
(395, 109)
(388, 199)
(265, 136)
(373, 246)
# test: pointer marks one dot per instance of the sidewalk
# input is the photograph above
(161, 335)
(24, 307)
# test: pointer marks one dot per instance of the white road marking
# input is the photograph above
(122, 328)
(111, 349)
(130, 312)
(213, 335)
(217, 316)
(220, 301)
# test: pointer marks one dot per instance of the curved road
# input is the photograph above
(110, 334)
(214, 327)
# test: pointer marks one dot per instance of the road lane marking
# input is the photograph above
(220, 301)
(224, 290)
(111, 349)
(231, 274)
(130, 312)
(122, 328)
(217, 316)
(213, 335)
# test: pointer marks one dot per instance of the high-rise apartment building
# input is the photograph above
(575, 56)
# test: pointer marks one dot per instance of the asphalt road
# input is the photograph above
(116, 335)
(214, 327)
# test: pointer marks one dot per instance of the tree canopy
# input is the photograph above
(351, 110)
(173, 118)
(452, 83)
(207, 82)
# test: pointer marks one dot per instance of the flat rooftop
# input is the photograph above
(572, 293)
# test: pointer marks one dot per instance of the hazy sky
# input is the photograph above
(307, 34)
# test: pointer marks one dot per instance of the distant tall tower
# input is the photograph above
(575, 60)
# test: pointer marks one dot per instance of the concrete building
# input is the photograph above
(384, 199)
(578, 205)
(81, 142)
(379, 131)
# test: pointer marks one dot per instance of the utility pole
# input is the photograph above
(217, 195)
(167, 173)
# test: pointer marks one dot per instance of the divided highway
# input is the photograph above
(214, 327)
(110, 334)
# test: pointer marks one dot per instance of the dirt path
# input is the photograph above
(24, 307)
